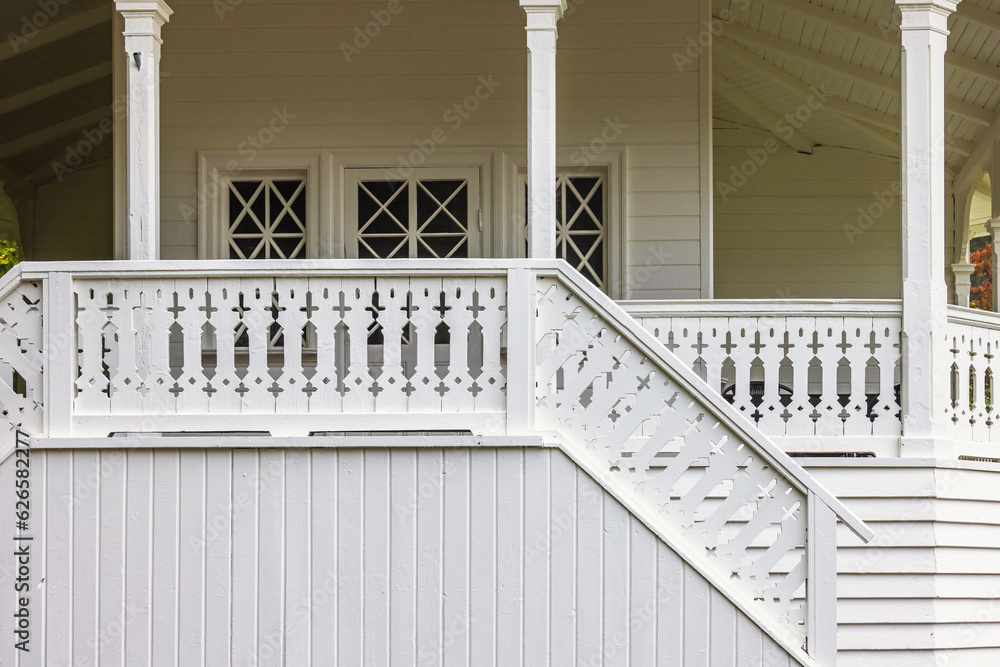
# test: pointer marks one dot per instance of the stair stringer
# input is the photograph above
(684, 462)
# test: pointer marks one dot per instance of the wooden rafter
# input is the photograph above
(981, 156)
(976, 14)
(53, 33)
(833, 18)
(50, 134)
(855, 116)
(883, 82)
(762, 115)
(48, 90)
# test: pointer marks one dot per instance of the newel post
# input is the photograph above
(542, 17)
(925, 380)
(143, 20)
(521, 314)
(821, 586)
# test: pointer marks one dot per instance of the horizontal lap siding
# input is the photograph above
(378, 556)
(926, 591)
(794, 228)
(225, 73)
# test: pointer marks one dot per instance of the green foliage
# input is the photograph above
(9, 256)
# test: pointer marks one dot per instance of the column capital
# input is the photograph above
(144, 18)
(993, 226)
(926, 14)
(963, 271)
(543, 14)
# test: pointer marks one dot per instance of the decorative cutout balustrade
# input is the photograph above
(794, 368)
(294, 347)
(972, 340)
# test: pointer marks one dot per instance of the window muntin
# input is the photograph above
(266, 218)
(432, 214)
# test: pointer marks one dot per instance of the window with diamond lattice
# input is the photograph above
(267, 219)
(433, 214)
(581, 223)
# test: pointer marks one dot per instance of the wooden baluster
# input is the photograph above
(392, 382)
(492, 293)
(226, 399)
(292, 317)
(92, 385)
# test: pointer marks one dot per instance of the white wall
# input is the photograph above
(387, 556)
(73, 217)
(804, 225)
(224, 74)
(926, 591)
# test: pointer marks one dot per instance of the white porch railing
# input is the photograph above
(972, 341)
(795, 368)
(298, 347)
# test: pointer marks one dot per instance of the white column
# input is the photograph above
(143, 20)
(925, 378)
(993, 224)
(542, 16)
(963, 282)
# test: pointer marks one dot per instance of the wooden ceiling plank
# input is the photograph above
(830, 63)
(48, 90)
(853, 115)
(976, 14)
(836, 19)
(54, 32)
(49, 134)
(751, 107)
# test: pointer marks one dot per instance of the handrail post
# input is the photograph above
(59, 373)
(821, 584)
(521, 314)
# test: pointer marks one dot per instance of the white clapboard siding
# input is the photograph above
(791, 228)
(73, 216)
(227, 66)
(357, 556)
(926, 590)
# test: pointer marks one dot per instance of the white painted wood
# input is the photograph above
(143, 20)
(925, 296)
(637, 576)
(542, 17)
(821, 587)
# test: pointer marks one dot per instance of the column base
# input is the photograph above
(926, 448)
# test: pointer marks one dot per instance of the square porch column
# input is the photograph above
(925, 373)
(542, 16)
(993, 224)
(143, 20)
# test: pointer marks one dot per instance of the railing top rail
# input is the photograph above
(973, 316)
(282, 268)
(765, 308)
(717, 405)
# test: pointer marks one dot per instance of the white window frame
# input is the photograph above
(354, 175)
(611, 162)
(217, 170)
(325, 190)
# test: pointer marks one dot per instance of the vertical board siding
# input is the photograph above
(378, 556)
(619, 83)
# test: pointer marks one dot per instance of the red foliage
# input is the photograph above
(981, 295)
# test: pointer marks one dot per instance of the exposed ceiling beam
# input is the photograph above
(977, 14)
(830, 63)
(834, 18)
(960, 146)
(13, 181)
(972, 170)
(48, 90)
(50, 134)
(19, 44)
(968, 111)
(779, 128)
(850, 114)
(972, 66)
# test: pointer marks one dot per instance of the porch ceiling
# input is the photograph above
(56, 74)
(777, 52)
